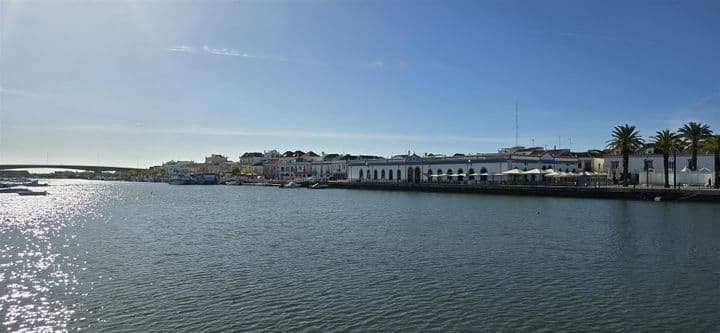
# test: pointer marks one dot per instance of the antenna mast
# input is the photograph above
(516, 123)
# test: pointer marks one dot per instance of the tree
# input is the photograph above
(626, 139)
(712, 145)
(234, 169)
(666, 142)
(693, 133)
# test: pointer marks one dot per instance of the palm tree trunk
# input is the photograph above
(693, 161)
(666, 163)
(717, 169)
(675, 168)
(626, 176)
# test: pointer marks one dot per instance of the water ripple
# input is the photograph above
(151, 257)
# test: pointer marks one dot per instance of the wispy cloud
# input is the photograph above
(225, 51)
(20, 93)
(222, 51)
(273, 133)
(181, 49)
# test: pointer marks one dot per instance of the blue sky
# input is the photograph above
(128, 83)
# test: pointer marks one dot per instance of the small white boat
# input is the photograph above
(318, 186)
(35, 183)
(233, 182)
(290, 184)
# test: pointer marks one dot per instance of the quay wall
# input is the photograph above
(701, 195)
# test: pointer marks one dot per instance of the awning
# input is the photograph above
(532, 172)
(512, 172)
(552, 175)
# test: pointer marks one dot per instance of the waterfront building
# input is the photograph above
(250, 158)
(331, 167)
(253, 158)
(461, 168)
(591, 160)
(647, 167)
(216, 159)
(175, 168)
(296, 165)
(214, 164)
(270, 169)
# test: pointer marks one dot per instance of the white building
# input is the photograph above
(649, 168)
(331, 167)
(296, 165)
(461, 168)
(250, 158)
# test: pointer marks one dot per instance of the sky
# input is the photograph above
(136, 83)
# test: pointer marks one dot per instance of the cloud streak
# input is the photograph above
(223, 51)
(181, 49)
(20, 93)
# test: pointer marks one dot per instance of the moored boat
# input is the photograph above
(35, 183)
(32, 193)
(13, 190)
(318, 186)
(290, 184)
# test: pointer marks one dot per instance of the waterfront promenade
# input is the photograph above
(600, 192)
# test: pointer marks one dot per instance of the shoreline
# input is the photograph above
(618, 193)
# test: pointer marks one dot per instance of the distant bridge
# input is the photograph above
(94, 168)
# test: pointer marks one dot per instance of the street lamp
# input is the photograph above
(467, 171)
(647, 172)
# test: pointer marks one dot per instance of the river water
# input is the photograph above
(137, 257)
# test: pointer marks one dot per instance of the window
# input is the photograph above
(648, 165)
(382, 174)
(390, 175)
(615, 165)
(671, 164)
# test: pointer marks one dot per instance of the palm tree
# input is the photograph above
(712, 145)
(627, 140)
(693, 132)
(666, 142)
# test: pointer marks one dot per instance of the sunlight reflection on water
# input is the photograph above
(35, 278)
